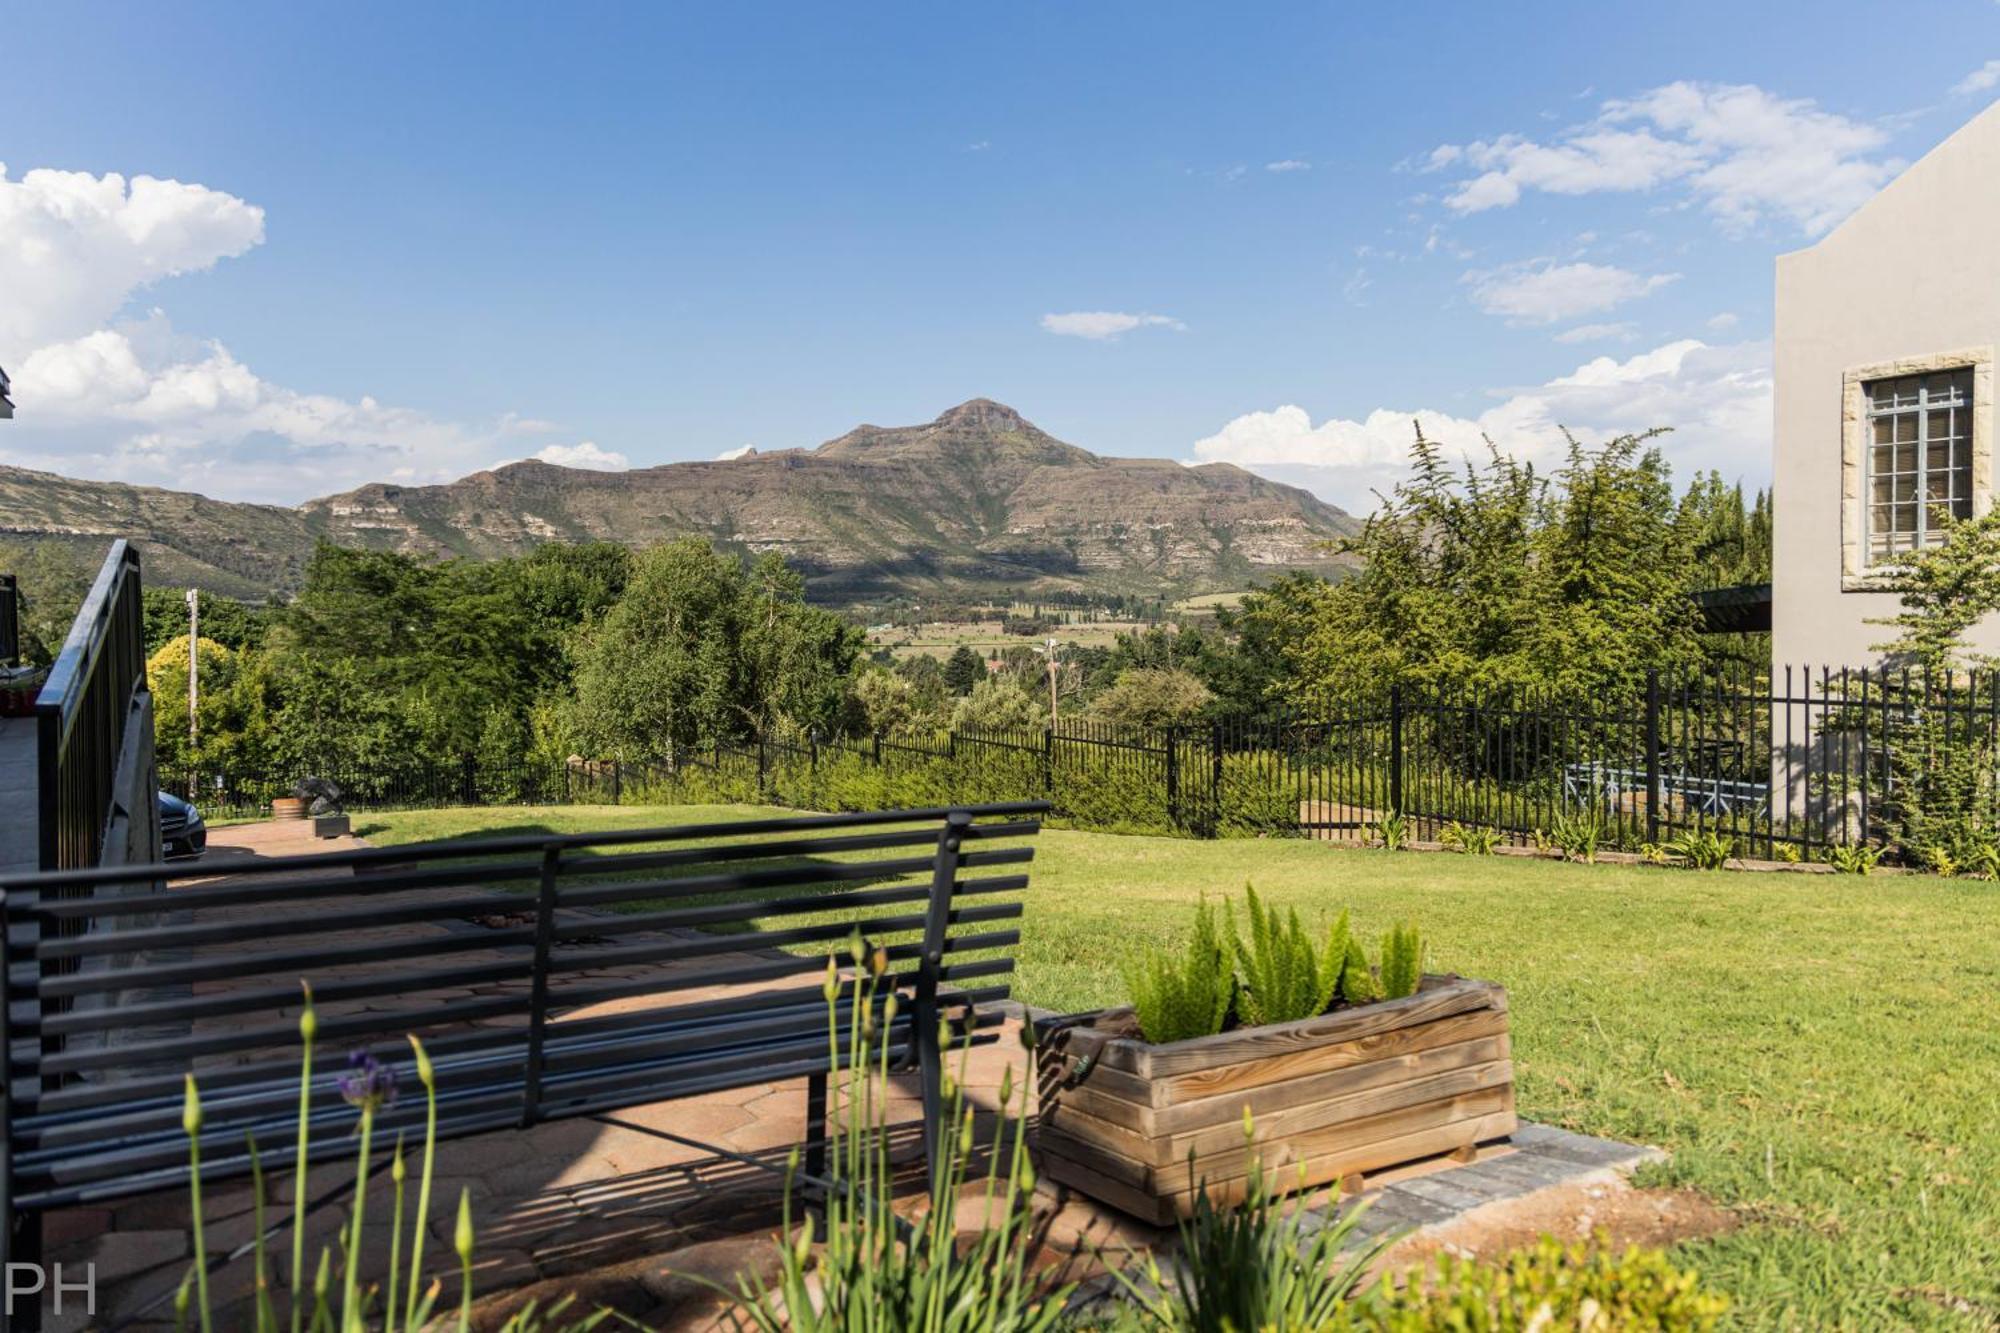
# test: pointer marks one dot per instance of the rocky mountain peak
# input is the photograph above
(984, 414)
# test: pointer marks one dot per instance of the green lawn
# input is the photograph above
(1820, 1053)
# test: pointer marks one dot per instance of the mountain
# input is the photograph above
(979, 502)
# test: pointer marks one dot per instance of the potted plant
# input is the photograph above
(19, 687)
(1341, 1067)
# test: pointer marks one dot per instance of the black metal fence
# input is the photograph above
(1802, 760)
(87, 712)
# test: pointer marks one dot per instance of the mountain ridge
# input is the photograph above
(978, 501)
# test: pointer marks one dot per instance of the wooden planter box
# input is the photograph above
(1354, 1090)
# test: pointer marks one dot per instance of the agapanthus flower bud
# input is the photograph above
(368, 1084)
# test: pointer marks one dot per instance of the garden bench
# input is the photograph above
(534, 1001)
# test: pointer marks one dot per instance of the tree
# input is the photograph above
(225, 620)
(997, 704)
(928, 690)
(697, 649)
(1151, 698)
(884, 699)
(1946, 589)
(1501, 577)
(1942, 800)
(963, 669)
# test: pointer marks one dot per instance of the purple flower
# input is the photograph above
(368, 1084)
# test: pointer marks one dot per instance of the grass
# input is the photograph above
(1819, 1053)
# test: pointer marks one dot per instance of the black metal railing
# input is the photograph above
(10, 621)
(1794, 763)
(85, 714)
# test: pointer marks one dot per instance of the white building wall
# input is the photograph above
(1911, 281)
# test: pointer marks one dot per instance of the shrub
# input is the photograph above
(1175, 998)
(1402, 961)
(1983, 860)
(1393, 832)
(1256, 799)
(1853, 858)
(1552, 1286)
(1472, 839)
(1701, 849)
(1117, 798)
(1283, 976)
(1255, 1266)
(1788, 852)
(1357, 980)
(1577, 835)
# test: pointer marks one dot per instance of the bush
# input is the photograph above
(1701, 849)
(1175, 998)
(1472, 839)
(1853, 858)
(1255, 800)
(1393, 832)
(1284, 977)
(1357, 979)
(1402, 961)
(1577, 836)
(1552, 1286)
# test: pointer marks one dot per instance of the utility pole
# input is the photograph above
(194, 682)
(1054, 647)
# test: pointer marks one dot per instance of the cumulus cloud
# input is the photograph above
(103, 392)
(1986, 77)
(1542, 293)
(740, 451)
(1746, 154)
(140, 403)
(74, 247)
(1717, 400)
(1103, 325)
(585, 454)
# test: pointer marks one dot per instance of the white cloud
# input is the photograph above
(1987, 76)
(101, 392)
(1105, 324)
(143, 404)
(1722, 320)
(1288, 164)
(1745, 153)
(740, 451)
(74, 247)
(1623, 331)
(1717, 400)
(1542, 293)
(585, 454)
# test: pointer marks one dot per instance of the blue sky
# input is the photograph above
(409, 241)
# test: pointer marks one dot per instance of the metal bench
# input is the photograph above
(548, 976)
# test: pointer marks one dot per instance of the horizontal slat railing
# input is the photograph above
(207, 959)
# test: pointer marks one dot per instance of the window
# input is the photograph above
(1919, 459)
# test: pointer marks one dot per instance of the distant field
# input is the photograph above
(939, 638)
(1209, 601)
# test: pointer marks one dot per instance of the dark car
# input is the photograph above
(181, 831)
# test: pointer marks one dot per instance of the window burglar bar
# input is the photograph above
(1919, 459)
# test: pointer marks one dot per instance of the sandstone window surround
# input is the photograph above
(1858, 427)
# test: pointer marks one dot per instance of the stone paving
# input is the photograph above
(620, 1216)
